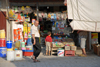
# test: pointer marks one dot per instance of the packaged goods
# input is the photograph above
(2, 42)
(73, 48)
(10, 55)
(67, 47)
(18, 55)
(3, 51)
(60, 52)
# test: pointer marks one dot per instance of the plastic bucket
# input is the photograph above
(3, 51)
(9, 44)
(18, 55)
(60, 53)
(10, 55)
(2, 42)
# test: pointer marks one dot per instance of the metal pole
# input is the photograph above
(89, 40)
(37, 11)
(7, 6)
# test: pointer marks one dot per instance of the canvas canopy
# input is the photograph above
(85, 14)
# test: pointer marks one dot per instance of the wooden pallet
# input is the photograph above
(54, 50)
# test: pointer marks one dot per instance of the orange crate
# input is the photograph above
(69, 53)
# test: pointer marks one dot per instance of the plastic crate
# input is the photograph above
(69, 53)
(27, 52)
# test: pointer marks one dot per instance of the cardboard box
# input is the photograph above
(73, 48)
(96, 49)
(78, 52)
(67, 47)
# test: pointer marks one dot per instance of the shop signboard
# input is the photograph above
(94, 37)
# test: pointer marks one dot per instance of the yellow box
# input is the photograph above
(94, 35)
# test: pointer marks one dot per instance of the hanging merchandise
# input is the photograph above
(62, 17)
(11, 14)
(20, 34)
(27, 19)
(15, 9)
(19, 18)
(55, 18)
(22, 8)
(33, 20)
(29, 28)
(25, 28)
(25, 24)
(16, 16)
(3, 51)
(25, 38)
(58, 16)
(27, 9)
(49, 16)
(19, 9)
(45, 15)
(15, 35)
(52, 17)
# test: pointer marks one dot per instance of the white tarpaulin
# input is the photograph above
(85, 14)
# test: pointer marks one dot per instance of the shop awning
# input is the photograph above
(32, 1)
(85, 14)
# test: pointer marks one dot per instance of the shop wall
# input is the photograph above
(2, 20)
(3, 14)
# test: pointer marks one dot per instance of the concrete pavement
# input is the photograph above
(91, 60)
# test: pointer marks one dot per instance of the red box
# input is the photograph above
(69, 53)
(27, 52)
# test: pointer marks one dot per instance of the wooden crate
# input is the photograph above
(54, 50)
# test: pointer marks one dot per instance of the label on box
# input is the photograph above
(17, 55)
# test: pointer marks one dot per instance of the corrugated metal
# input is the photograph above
(2, 20)
(28, 1)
